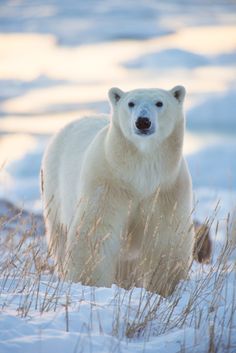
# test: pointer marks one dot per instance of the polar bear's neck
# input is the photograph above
(145, 170)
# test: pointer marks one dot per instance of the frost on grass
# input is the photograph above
(39, 312)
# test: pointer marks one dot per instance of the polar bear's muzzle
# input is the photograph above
(144, 126)
(144, 119)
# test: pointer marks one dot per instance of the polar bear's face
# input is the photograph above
(147, 114)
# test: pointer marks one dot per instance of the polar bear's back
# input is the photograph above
(62, 163)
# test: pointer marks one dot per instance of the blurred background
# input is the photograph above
(59, 58)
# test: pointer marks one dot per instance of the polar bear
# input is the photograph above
(117, 194)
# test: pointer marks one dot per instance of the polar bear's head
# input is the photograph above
(147, 114)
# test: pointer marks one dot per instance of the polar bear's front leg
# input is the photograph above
(94, 240)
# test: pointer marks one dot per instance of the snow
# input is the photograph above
(86, 319)
(58, 61)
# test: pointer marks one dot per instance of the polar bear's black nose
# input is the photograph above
(143, 123)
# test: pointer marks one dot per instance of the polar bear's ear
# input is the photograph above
(115, 95)
(179, 93)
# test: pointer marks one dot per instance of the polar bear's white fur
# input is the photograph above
(117, 194)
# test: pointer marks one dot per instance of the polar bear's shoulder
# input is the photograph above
(82, 130)
(84, 125)
(74, 138)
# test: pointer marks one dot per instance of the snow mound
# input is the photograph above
(16, 220)
(214, 166)
(168, 59)
(215, 113)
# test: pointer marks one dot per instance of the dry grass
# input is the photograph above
(201, 303)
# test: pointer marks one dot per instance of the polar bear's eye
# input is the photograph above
(131, 104)
(159, 104)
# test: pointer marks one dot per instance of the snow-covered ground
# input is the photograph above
(57, 61)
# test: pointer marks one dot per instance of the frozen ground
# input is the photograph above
(57, 61)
